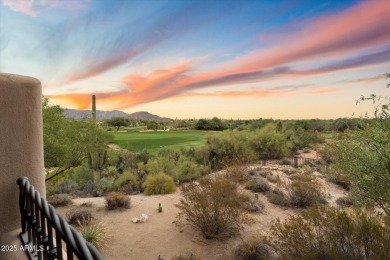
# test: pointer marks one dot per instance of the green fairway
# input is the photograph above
(155, 141)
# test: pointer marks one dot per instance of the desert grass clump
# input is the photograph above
(187, 256)
(237, 173)
(60, 200)
(252, 203)
(214, 206)
(159, 184)
(345, 202)
(257, 185)
(278, 197)
(115, 200)
(77, 215)
(254, 248)
(330, 233)
(126, 183)
(87, 204)
(305, 191)
(95, 232)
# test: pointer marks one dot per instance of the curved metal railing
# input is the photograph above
(45, 233)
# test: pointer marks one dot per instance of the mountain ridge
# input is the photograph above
(104, 115)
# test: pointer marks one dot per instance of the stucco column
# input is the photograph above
(21, 151)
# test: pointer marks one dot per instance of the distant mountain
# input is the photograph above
(103, 115)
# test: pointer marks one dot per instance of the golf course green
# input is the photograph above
(154, 141)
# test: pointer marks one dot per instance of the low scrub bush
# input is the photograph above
(126, 183)
(289, 171)
(252, 203)
(265, 173)
(115, 200)
(285, 162)
(214, 206)
(76, 216)
(257, 185)
(340, 179)
(66, 187)
(305, 192)
(95, 232)
(60, 200)
(87, 204)
(102, 186)
(254, 248)
(237, 173)
(345, 201)
(329, 233)
(187, 256)
(159, 184)
(278, 197)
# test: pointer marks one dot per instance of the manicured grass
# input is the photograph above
(327, 136)
(154, 141)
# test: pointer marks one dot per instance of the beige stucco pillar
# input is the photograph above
(21, 151)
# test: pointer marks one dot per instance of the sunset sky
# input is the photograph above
(202, 58)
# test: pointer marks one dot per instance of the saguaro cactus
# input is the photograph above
(94, 108)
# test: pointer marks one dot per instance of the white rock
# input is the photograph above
(143, 218)
(135, 220)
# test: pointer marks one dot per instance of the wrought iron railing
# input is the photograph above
(45, 234)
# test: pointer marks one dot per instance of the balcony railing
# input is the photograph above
(45, 234)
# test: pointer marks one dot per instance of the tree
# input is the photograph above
(364, 156)
(152, 125)
(118, 122)
(67, 142)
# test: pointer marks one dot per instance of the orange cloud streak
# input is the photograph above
(352, 31)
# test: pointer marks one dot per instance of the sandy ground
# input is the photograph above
(160, 236)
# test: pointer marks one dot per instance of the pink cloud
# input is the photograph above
(345, 34)
(35, 7)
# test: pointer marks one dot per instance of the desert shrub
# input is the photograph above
(258, 185)
(289, 171)
(115, 200)
(95, 232)
(339, 178)
(187, 256)
(346, 201)
(254, 248)
(237, 173)
(126, 183)
(252, 203)
(87, 204)
(285, 161)
(264, 173)
(159, 184)
(329, 233)
(214, 206)
(270, 142)
(81, 175)
(278, 197)
(109, 172)
(102, 186)
(305, 191)
(177, 164)
(227, 148)
(76, 215)
(66, 186)
(60, 200)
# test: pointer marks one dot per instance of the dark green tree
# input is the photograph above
(118, 122)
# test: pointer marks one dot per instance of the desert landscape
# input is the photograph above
(161, 236)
